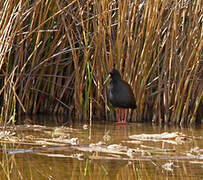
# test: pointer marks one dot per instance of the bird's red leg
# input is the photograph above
(119, 115)
(125, 116)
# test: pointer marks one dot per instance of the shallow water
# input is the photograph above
(26, 158)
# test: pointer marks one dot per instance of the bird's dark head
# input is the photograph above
(114, 74)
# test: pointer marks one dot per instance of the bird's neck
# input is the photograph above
(115, 81)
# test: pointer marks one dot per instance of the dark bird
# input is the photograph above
(120, 94)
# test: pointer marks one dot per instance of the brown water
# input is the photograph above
(61, 162)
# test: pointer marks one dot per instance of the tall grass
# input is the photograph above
(56, 54)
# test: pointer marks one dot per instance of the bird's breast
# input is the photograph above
(120, 95)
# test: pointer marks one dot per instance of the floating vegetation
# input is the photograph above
(173, 138)
(48, 142)
(51, 150)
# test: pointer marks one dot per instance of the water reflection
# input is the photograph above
(59, 163)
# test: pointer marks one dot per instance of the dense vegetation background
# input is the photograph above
(55, 56)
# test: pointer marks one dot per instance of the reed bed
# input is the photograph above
(55, 56)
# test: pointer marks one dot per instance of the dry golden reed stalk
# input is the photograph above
(55, 56)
